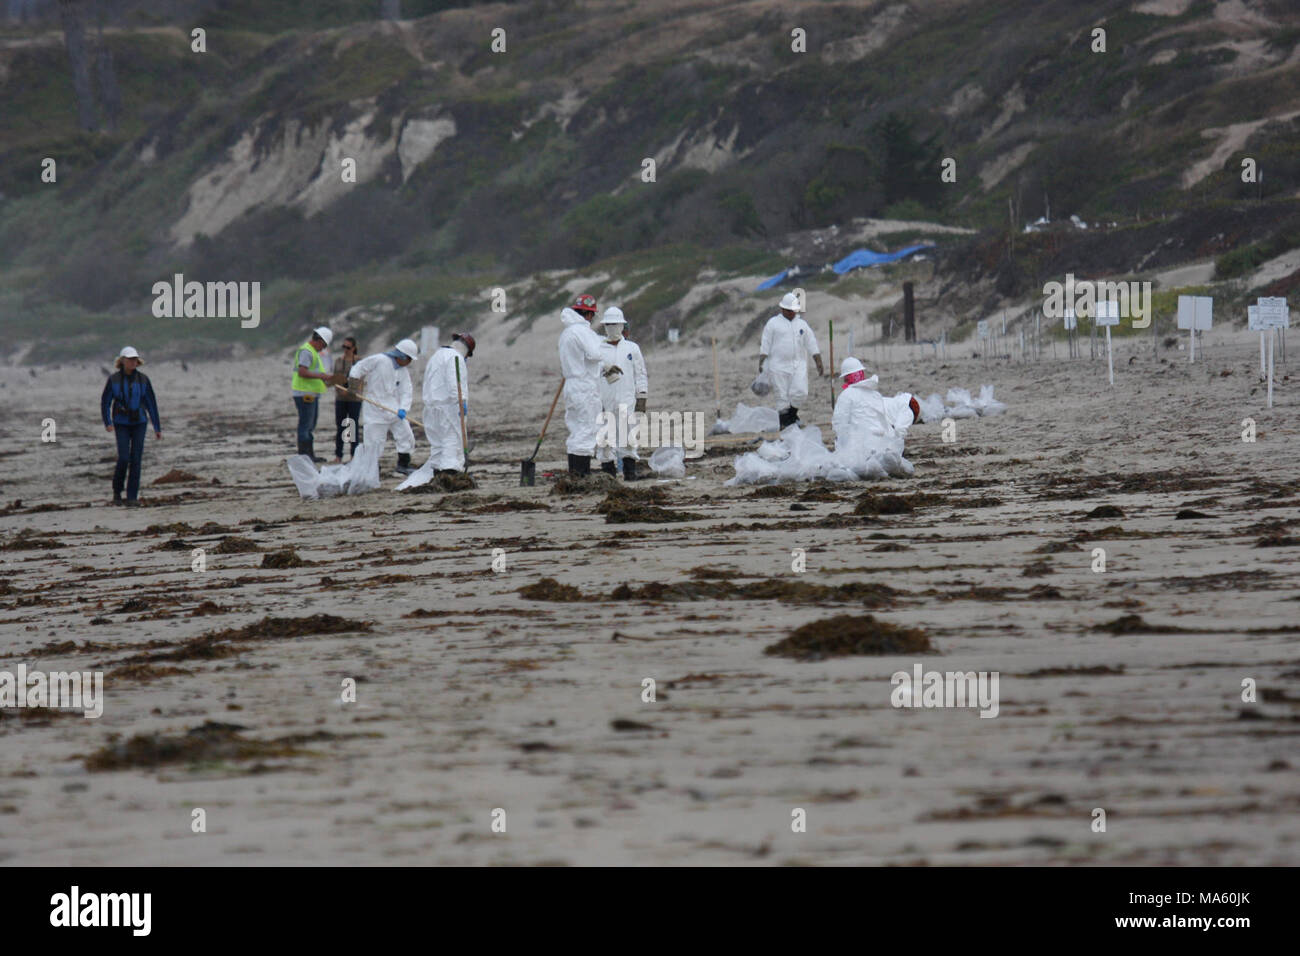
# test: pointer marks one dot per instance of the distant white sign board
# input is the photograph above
(1274, 313)
(1107, 313)
(1253, 321)
(1195, 312)
(982, 329)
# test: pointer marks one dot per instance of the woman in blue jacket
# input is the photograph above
(128, 398)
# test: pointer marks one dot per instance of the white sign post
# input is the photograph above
(1071, 323)
(1272, 314)
(1107, 314)
(1195, 314)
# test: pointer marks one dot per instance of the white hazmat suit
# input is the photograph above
(389, 384)
(441, 412)
(580, 364)
(633, 384)
(867, 424)
(442, 416)
(788, 343)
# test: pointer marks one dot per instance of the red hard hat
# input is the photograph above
(584, 303)
(467, 339)
(916, 409)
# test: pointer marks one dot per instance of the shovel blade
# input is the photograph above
(527, 473)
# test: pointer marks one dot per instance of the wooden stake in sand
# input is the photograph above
(982, 333)
(831, 325)
(1071, 322)
(1108, 315)
(1255, 324)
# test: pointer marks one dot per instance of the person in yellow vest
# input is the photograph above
(310, 383)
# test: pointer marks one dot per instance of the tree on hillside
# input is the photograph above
(910, 167)
(110, 95)
(72, 14)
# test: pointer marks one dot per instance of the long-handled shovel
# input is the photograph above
(460, 407)
(528, 467)
(391, 411)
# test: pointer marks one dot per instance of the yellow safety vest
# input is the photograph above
(301, 384)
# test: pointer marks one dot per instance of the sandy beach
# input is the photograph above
(1119, 690)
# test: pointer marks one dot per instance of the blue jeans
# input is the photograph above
(307, 412)
(130, 453)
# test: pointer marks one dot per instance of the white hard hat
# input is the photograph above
(128, 352)
(324, 334)
(791, 301)
(849, 366)
(407, 347)
(613, 316)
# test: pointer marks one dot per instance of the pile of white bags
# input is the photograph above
(746, 420)
(800, 455)
(358, 475)
(959, 404)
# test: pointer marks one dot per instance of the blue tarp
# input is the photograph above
(854, 260)
(865, 257)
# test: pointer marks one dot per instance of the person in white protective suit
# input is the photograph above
(581, 364)
(867, 423)
(622, 398)
(787, 343)
(387, 382)
(441, 409)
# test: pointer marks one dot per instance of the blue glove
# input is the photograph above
(401, 413)
(464, 409)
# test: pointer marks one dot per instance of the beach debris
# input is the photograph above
(847, 635)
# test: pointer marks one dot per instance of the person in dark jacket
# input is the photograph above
(347, 405)
(128, 405)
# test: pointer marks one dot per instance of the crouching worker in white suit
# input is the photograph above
(387, 382)
(580, 364)
(622, 397)
(446, 398)
(787, 343)
(870, 428)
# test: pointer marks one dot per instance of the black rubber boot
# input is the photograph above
(788, 417)
(117, 497)
(629, 469)
(404, 463)
(580, 465)
(609, 468)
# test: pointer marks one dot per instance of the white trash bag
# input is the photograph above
(932, 409)
(669, 462)
(747, 420)
(762, 384)
(960, 404)
(358, 475)
(986, 404)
